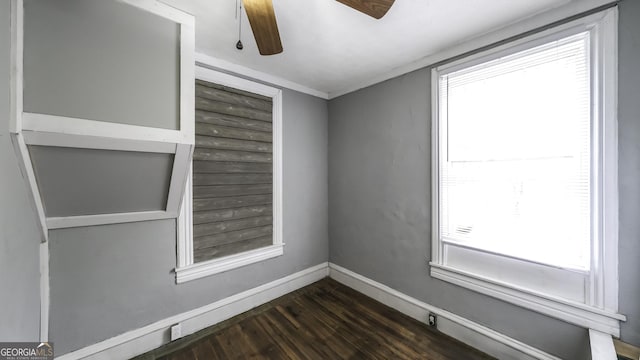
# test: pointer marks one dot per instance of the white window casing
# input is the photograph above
(587, 295)
(186, 269)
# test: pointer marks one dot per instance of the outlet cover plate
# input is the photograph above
(176, 332)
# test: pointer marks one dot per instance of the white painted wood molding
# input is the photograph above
(51, 130)
(96, 142)
(105, 219)
(16, 80)
(570, 312)
(44, 292)
(186, 270)
(26, 168)
(601, 346)
(139, 341)
(593, 302)
(84, 127)
(179, 174)
(218, 265)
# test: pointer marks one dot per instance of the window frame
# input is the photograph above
(599, 310)
(186, 269)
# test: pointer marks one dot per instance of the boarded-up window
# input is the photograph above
(232, 172)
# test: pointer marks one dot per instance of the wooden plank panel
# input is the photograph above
(232, 90)
(202, 217)
(232, 168)
(209, 241)
(212, 142)
(233, 98)
(217, 167)
(228, 179)
(233, 133)
(231, 109)
(208, 117)
(230, 249)
(231, 155)
(231, 202)
(231, 225)
(200, 192)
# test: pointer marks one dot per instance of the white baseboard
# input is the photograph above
(467, 331)
(152, 336)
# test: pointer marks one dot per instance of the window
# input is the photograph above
(525, 173)
(231, 211)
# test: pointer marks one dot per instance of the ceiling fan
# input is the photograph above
(265, 29)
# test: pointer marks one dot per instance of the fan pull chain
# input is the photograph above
(239, 45)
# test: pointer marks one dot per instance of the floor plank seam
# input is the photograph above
(323, 320)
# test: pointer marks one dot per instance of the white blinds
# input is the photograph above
(515, 154)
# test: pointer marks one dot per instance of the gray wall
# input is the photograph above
(629, 167)
(106, 280)
(379, 201)
(89, 181)
(19, 238)
(70, 45)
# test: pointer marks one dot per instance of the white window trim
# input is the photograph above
(186, 269)
(49, 130)
(602, 289)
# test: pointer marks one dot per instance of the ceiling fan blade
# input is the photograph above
(263, 24)
(373, 8)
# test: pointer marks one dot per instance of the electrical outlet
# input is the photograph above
(432, 320)
(176, 332)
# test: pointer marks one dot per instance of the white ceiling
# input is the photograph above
(330, 47)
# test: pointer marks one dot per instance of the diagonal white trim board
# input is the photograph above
(467, 331)
(601, 344)
(105, 219)
(139, 341)
(29, 176)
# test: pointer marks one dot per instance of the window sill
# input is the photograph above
(216, 266)
(571, 312)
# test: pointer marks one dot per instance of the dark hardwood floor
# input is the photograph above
(325, 320)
